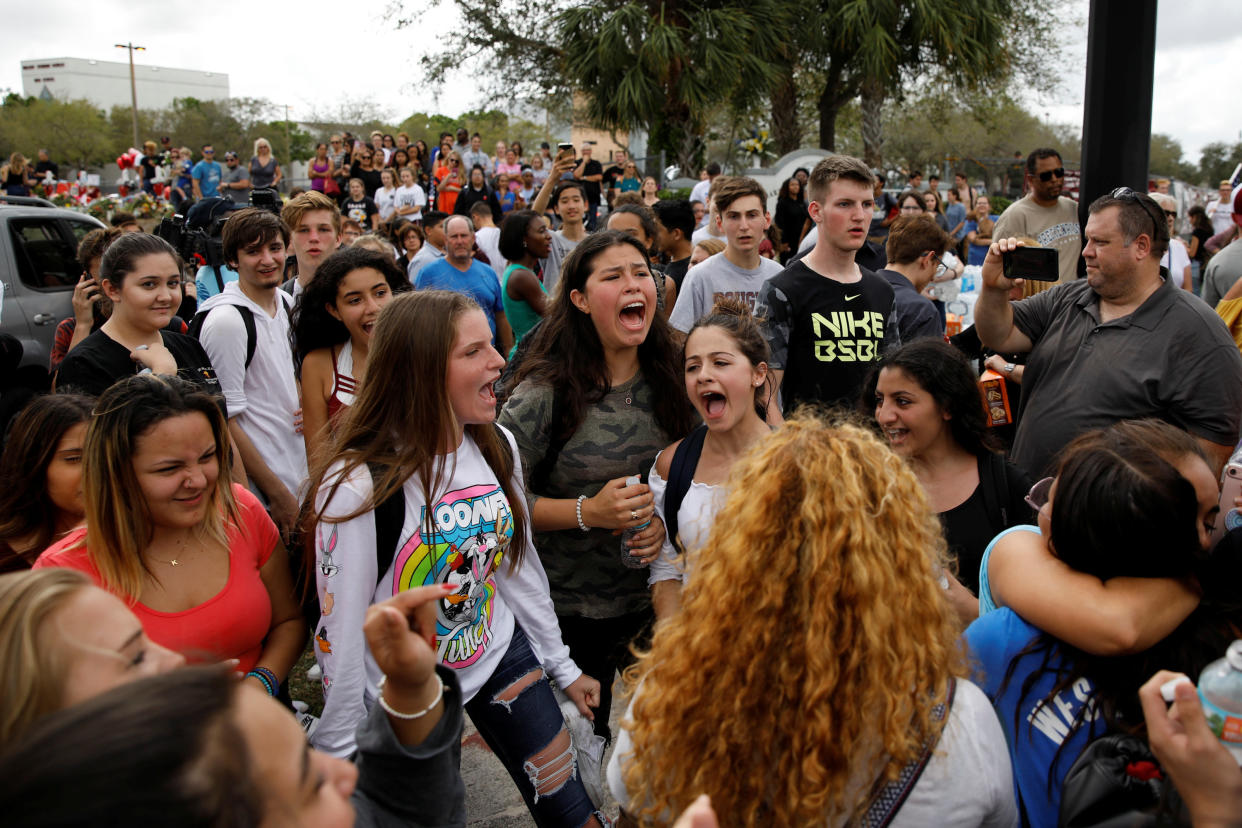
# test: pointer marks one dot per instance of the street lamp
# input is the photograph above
(133, 86)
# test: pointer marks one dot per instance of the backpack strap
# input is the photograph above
(888, 797)
(543, 469)
(680, 475)
(247, 317)
(389, 518)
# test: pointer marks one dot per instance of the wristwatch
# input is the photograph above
(1009, 366)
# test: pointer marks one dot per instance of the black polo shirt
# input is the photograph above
(1172, 358)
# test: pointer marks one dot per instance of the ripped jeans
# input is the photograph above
(517, 715)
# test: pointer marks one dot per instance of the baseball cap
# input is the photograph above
(1237, 199)
(230, 154)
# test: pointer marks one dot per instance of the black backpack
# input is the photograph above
(680, 474)
(247, 317)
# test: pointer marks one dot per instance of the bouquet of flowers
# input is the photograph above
(756, 146)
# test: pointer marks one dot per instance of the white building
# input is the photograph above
(105, 83)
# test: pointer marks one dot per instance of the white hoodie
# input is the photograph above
(264, 397)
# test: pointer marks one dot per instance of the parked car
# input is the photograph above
(39, 268)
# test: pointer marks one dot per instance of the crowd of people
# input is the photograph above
(513, 437)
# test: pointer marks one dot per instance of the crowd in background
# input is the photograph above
(490, 432)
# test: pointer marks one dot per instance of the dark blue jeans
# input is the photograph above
(520, 733)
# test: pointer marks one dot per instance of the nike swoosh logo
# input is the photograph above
(852, 298)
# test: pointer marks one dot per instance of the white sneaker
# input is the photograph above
(314, 673)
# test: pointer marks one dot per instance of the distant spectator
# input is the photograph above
(45, 165)
(206, 175)
(1218, 208)
(791, 217)
(264, 169)
(148, 166)
(234, 181)
(125, 222)
(17, 176)
(350, 231)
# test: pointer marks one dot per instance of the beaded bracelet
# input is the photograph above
(578, 511)
(379, 697)
(267, 678)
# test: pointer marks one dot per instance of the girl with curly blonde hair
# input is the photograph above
(832, 654)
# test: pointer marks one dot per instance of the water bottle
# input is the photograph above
(628, 534)
(1220, 690)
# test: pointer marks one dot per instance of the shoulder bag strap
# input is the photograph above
(888, 797)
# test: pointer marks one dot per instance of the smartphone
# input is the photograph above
(1038, 263)
(1230, 517)
(564, 146)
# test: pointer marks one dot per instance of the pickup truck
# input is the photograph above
(39, 268)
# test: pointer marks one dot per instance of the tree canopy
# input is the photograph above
(664, 66)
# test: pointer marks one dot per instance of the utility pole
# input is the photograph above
(288, 155)
(133, 86)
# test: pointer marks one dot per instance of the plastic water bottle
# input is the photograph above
(1220, 690)
(628, 534)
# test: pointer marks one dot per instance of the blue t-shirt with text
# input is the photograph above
(994, 641)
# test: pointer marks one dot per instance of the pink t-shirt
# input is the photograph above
(234, 622)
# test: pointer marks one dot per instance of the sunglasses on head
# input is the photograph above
(1048, 175)
(1127, 194)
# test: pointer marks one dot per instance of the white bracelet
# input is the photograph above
(406, 716)
(578, 511)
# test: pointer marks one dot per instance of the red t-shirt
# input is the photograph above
(234, 622)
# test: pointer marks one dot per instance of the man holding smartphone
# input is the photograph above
(1123, 343)
(590, 172)
(1044, 214)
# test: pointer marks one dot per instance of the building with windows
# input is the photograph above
(105, 83)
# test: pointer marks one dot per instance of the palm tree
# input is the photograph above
(663, 65)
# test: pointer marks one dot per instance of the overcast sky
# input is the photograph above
(308, 58)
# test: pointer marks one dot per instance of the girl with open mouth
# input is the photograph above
(597, 396)
(335, 319)
(726, 376)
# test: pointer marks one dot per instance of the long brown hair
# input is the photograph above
(567, 355)
(839, 612)
(118, 521)
(26, 511)
(400, 425)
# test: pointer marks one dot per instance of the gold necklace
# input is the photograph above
(173, 562)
